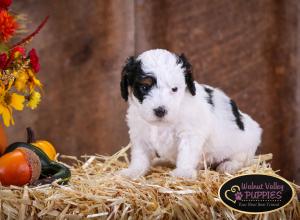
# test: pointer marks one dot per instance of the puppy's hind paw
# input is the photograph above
(184, 173)
(131, 173)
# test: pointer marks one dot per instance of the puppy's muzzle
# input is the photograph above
(160, 111)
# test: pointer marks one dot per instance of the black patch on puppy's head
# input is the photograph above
(188, 75)
(131, 68)
(134, 76)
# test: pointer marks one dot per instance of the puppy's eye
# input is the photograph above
(144, 88)
(174, 89)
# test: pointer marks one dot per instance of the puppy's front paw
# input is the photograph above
(229, 167)
(131, 173)
(184, 173)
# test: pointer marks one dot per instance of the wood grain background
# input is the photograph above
(250, 49)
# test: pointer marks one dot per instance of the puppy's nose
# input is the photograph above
(160, 111)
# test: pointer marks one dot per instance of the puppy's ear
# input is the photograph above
(126, 76)
(188, 75)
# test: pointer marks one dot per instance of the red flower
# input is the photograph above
(8, 26)
(34, 60)
(4, 4)
(3, 60)
(17, 51)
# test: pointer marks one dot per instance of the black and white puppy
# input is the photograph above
(183, 122)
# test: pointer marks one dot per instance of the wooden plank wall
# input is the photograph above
(247, 48)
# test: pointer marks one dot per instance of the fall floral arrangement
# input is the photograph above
(19, 85)
(32, 162)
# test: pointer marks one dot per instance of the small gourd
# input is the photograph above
(19, 167)
(50, 170)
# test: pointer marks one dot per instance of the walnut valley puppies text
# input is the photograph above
(262, 191)
(256, 193)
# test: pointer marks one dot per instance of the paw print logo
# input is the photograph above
(238, 196)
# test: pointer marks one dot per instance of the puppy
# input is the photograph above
(172, 117)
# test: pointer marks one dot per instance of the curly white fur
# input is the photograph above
(192, 130)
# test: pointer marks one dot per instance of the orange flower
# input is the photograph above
(8, 26)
